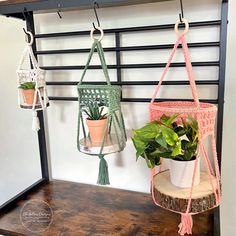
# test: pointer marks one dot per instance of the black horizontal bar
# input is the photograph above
(129, 29)
(10, 203)
(129, 48)
(132, 66)
(213, 101)
(126, 83)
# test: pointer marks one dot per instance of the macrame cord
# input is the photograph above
(37, 76)
(107, 96)
(205, 114)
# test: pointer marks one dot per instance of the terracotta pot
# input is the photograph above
(181, 173)
(96, 129)
(28, 95)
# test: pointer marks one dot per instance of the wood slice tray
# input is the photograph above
(110, 146)
(174, 198)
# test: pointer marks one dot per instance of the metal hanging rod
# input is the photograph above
(134, 83)
(129, 29)
(131, 66)
(128, 48)
(145, 100)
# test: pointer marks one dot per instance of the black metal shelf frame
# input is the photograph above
(118, 66)
(220, 82)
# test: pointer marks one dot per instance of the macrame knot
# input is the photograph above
(35, 121)
(186, 225)
(103, 175)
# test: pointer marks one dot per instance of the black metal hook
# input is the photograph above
(26, 32)
(181, 15)
(59, 14)
(95, 4)
(24, 12)
(59, 11)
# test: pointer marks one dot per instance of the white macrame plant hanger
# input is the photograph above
(36, 75)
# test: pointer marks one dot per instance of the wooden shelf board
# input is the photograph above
(12, 7)
(81, 209)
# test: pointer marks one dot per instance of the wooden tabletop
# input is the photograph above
(80, 209)
(12, 7)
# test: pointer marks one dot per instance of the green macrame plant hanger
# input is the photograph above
(107, 96)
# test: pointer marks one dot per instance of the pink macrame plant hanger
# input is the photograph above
(205, 114)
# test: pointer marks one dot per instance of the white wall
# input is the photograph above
(125, 173)
(19, 155)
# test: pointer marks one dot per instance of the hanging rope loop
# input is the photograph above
(101, 32)
(186, 29)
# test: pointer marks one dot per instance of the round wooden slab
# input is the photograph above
(174, 198)
(110, 146)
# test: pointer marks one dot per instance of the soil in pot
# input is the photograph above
(96, 129)
(28, 95)
(181, 173)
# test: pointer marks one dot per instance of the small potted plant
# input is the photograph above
(28, 91)
(177, 142)
(96, 122)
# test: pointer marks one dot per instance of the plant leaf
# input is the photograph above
(164, 119)
(170, 136)
(193, 123)
(149, 131)
(159, 153)
(171, 119)
(180, 131)
(161, 140)
(177, 150)
(147, 161)
(140, 146)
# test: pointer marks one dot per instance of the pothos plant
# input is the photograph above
(166, 139)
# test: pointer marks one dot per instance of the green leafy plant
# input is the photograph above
(166, 139)
(27, 85)
(94, 111)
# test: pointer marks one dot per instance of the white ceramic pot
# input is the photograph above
(181, 173)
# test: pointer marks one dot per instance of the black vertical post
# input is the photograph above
(41, 132)
(221, 87)
(221, 92)
(118, 60)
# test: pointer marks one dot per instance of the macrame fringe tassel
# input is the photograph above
(186, 225)
(35, 122)
(103, 175)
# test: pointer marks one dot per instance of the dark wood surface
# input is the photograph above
(8, 2)
(16, 6)
(80, 209)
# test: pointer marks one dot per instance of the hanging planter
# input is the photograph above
(101, 129)
(181, 189)
(32, 93)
